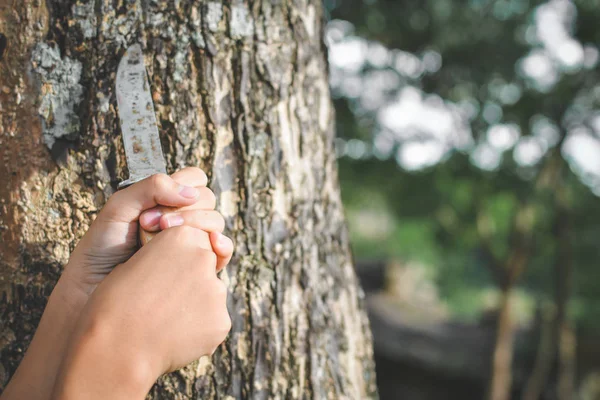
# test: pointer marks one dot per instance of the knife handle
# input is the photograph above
(144, 236)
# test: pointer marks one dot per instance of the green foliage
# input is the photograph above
(443, 214)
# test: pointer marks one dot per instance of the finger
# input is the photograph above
(150, 219)
(160, 189)
(207, 220)
(185, 238)
(223, 248)
(190, 176)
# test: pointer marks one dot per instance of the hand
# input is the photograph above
(112, 238)
(157, 312)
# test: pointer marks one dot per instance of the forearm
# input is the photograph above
(37, 372)
(101, 364)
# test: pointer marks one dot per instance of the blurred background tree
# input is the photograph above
(469, 145)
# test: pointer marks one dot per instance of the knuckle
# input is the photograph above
(159, 181)
(220, 222)
(181, 234)
(222, 323)
(209, 197)
(222, 326)
(216, 346)
(197, 173)
(215, 219)
(201, 174)
(225, 325)
(221, 329)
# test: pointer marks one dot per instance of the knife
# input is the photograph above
(138, 123)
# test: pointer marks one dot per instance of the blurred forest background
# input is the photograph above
(469, 149)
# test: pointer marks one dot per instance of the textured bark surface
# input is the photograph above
(240, 89)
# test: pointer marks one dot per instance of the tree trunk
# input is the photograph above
(565, 388)
(507, 273)
(544, 359)
(501, 380)
(566, 338)
(560, 344)
(241, 91)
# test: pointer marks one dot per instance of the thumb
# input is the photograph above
(160, 189)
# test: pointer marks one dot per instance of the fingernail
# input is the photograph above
(173, 220)
(188, 192)
(151, 218)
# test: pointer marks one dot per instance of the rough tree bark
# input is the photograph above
(240, 89)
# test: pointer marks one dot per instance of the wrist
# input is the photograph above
(70, 295)
(75, 279)
(101, 364)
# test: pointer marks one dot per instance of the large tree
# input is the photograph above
(240, 89)
(495, 215)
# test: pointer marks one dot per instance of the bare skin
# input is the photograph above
(82, 324)
(157, 312)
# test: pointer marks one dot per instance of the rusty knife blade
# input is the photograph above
(137, 118)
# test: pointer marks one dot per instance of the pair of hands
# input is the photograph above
(119, 318)
(158, 202)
